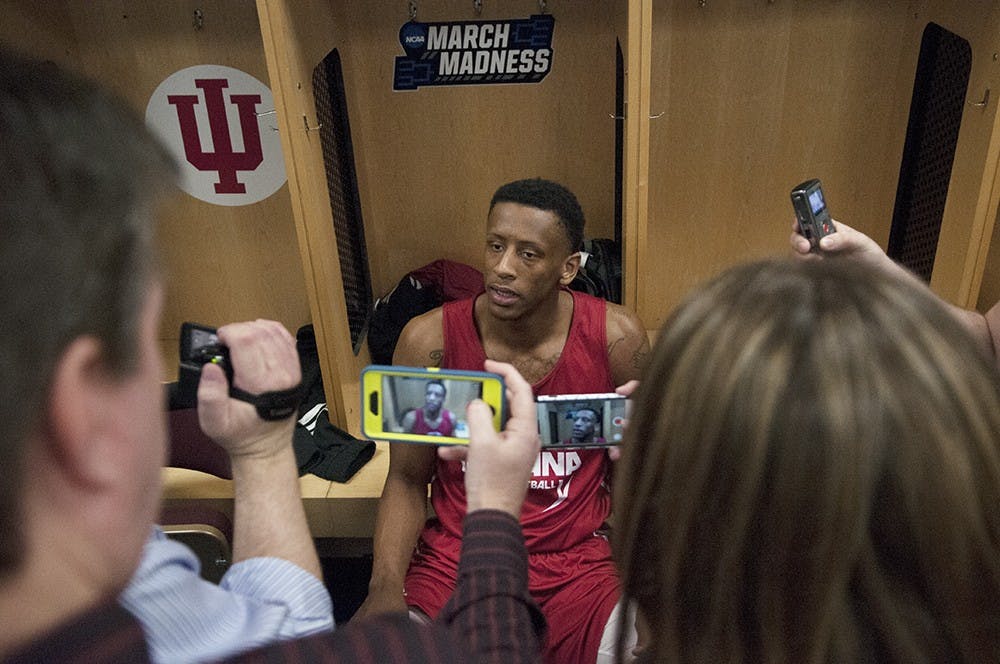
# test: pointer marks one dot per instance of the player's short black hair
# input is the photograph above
(550, 196)
(435, 381)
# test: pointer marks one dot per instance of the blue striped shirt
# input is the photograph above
(188, 619)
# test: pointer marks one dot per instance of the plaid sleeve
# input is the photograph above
(491, 611)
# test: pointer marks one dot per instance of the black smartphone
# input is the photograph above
(811, 212)
(582, 420)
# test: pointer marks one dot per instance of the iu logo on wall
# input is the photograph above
(217, 121)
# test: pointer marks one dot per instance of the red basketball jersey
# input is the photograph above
(568, 498)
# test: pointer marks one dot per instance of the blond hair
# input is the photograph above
(812, 474)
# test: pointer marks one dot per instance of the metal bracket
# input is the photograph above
(985, 100)
(305, 123)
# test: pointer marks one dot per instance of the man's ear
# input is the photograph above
(570, 268)
(77, 414)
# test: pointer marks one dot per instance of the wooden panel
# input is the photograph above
(635, 186)
(757, 97)
(39, 28)
(222, 263)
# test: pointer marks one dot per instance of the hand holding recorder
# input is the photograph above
(846, 242)
(201, 345)
(811, 213)
(263, 360)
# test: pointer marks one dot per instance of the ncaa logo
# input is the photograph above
(216, 121)
(413, 38)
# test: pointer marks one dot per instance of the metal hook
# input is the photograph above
(413, 10)
(199, 19)
(477, 6)
(542, 6)
(984, 102)
(263, 113)
(305, 123)
(622, 117)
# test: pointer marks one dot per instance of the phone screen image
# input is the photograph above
(582, 420)
(816, 201)
(425, 406)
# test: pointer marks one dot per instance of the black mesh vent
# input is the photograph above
(939, 91)
(342, 183)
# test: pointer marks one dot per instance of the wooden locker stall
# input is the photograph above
(221, 263)
(746, 99)
(429, 160)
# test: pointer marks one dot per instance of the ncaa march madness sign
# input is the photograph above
(217, 123)
(474, 52)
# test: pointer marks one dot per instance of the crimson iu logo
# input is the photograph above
(217, 121)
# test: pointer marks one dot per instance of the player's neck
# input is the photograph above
(532, 343)
(535, 329)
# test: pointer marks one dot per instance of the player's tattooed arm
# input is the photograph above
(628, 344)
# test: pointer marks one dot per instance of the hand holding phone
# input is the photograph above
(811, 212)
(426, 405)
(498, 465)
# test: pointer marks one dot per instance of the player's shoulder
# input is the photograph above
(622, 322)
(426, 321)
(421, 340)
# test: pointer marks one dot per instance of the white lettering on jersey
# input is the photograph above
(562, 493)
(557, 464)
